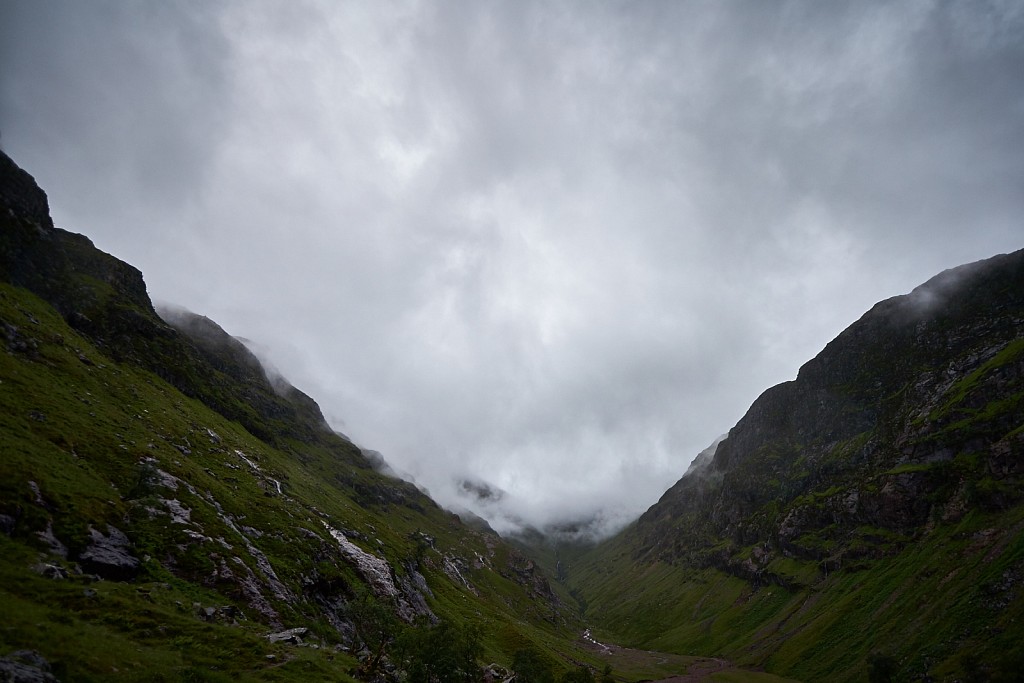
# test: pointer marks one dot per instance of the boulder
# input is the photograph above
(26, 666)
(292, 636)
(52, 542)
(50, 571)
(108, 555)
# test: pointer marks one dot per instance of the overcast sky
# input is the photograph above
(557, 247)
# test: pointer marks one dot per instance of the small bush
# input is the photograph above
(882, 667)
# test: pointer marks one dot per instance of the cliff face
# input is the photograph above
(910, 416)
(106, 300)
(21, 196)
(868, 513)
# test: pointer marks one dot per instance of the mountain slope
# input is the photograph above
(872, 505)
(165, 505)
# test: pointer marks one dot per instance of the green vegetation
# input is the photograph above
(90, 442)
(945, 595)
(735, 676)
(443, 652)
(530, 666)
(101, 442)
(170, 515)
(865, 520)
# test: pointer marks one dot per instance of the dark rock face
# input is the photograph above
(108, 555)
(273, 399)
(908, 416)
(25, 666)
(96, 293)
(222, 505)
(106, 300)
(21, 196)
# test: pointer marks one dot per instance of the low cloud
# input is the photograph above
(555, 249)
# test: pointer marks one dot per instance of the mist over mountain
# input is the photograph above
(863, 519)
(868, 510)
(563, 245)
(511, 341)
(162, 494)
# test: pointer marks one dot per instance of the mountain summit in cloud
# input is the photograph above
(562, 245)
(863, 519)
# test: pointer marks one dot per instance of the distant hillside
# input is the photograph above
(165, 506)
(869, 512)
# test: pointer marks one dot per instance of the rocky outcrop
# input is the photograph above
(214, 471)
(106, 300)
(375, 570)
(20, 196)
(26, 666)
(283, 410)
(906, 415)
(108, 555)
(292, 636)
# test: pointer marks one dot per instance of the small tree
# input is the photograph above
(580, 674)
(530, 666)
(376, 628)
(439, 654)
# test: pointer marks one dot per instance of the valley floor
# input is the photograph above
(662, 667)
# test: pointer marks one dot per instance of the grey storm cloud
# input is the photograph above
(551, 249)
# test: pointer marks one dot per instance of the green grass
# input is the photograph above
(745, 676)
(92, 432)
(957, 393)
(93, 435)
(931, 602)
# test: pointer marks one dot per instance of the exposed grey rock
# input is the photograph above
(374, 569)
(280, 591)
(179, 513)
(50, 571)
(292, 636)
(451, 566)
(231, 612)
(250, 586)
(414, 589)
(37, 496)
(55, 546)
(109, 556)
(493, 673)
(26, 666)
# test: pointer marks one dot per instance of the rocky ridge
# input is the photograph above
(154, 464)
(873, 432)
(873, 507)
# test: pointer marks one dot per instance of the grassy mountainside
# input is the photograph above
(868, 511)
(164, 506)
